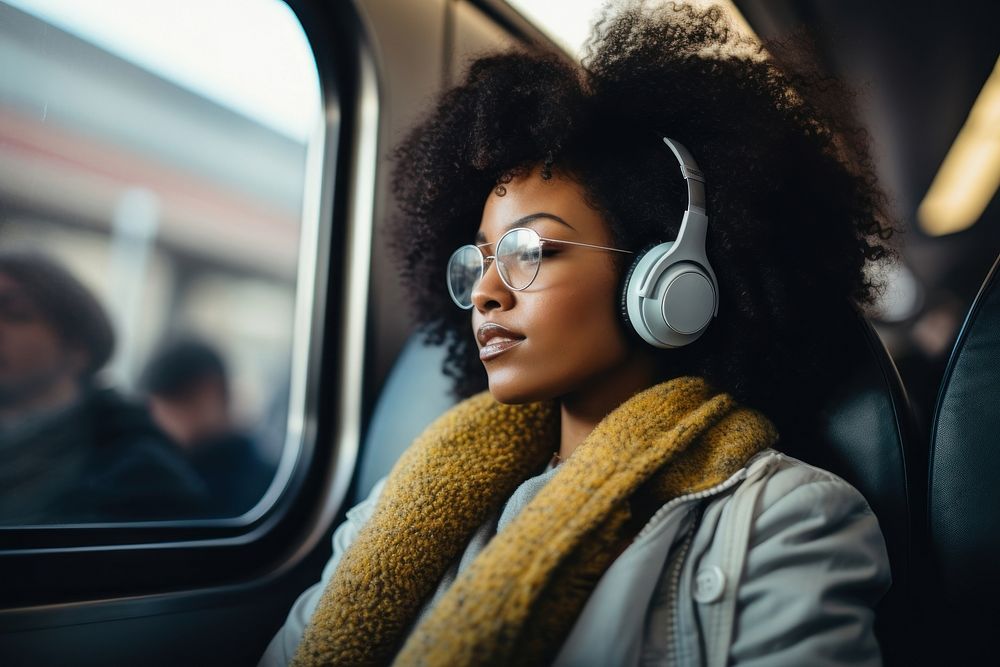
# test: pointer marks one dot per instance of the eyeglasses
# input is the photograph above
(518, 257)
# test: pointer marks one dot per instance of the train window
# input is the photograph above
(156, 170)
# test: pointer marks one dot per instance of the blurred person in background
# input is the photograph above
(189, 398)
(71, 451)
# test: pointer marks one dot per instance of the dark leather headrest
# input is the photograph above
(866, 434)
(964, 495)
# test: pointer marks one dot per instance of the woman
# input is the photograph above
(615, 497)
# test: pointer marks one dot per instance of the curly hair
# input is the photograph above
(795, 211)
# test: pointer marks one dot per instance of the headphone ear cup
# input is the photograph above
(623, 301)
(680, 304)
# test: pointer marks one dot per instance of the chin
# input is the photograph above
(510, 396)
(515, 391)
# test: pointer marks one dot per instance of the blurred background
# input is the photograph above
(160, 157)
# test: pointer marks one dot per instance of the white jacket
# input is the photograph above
(781, 564)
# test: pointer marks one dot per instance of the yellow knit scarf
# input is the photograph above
(518, 600)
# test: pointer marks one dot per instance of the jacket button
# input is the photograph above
(709, 584)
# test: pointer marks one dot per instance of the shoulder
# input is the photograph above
(784, 500)
(283, 645)
(804, 502)
(810, 562)
(790, 490)
(347, 532)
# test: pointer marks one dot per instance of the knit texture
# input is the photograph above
(517, 602)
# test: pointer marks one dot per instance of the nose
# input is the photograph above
(490, 293)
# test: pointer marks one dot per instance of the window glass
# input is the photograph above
(153, 165)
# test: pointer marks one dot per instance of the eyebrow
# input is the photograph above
(526, 220)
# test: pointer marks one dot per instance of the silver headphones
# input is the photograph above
(670, 293)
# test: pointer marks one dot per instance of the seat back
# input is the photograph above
(964, 484)
(415, 393)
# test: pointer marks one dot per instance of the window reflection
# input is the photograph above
(188, 391)
(168, 210)
(70, 450)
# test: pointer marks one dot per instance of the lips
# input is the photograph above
(495, 340)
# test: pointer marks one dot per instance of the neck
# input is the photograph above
(581, 411)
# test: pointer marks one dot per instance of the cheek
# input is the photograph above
(574, 337)
(586, 301)
(576, 332)
(586, 321)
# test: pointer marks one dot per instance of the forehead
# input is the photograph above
(531, 194)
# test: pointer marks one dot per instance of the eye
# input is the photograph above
(551, 248)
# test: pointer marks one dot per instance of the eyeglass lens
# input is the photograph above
(465, 268)
(518, 256)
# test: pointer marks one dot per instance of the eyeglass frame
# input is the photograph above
(490, 259)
